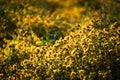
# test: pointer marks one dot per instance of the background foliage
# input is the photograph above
(60, 39)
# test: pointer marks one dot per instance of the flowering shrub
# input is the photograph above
(71, 42)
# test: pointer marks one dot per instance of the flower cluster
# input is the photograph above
(47, 45)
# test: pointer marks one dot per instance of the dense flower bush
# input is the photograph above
(59, 40)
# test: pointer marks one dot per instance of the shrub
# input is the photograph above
(49, 45)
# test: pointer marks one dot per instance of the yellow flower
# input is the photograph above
(86, 51)
(24, 11)
(18, 23)
(81, 71)
(73, 51)
(105, 31)
(28, 16)
(112, 38)
(56, 70)
(1, 74)
(81, 74)
(73, 74)
(1, 57)
(37, 49)
(118, 30)
(113, 25)
(23, 63)
(84, 58)
(14, 67)
(118, 43)
(30, 8)
(52, 23)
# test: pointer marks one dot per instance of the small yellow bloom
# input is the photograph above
(37, 49)
(1, 74)
(14, 67)
(118, 30)
(84, 58)
(24, 11)
(56, 70)
(105, 31)
(18, 23)
(81, 71)
(112, 38)
(73, 73)
(81, 74)
(113, 25)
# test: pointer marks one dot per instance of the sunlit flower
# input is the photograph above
(84, 58)
(112, 38)
(14, 67)
(78, 53)
(73, 74)
(81, 74)
(56, 71)
(81, 71)
(118, 30)
(24, 11)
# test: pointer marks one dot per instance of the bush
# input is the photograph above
(49, 45)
